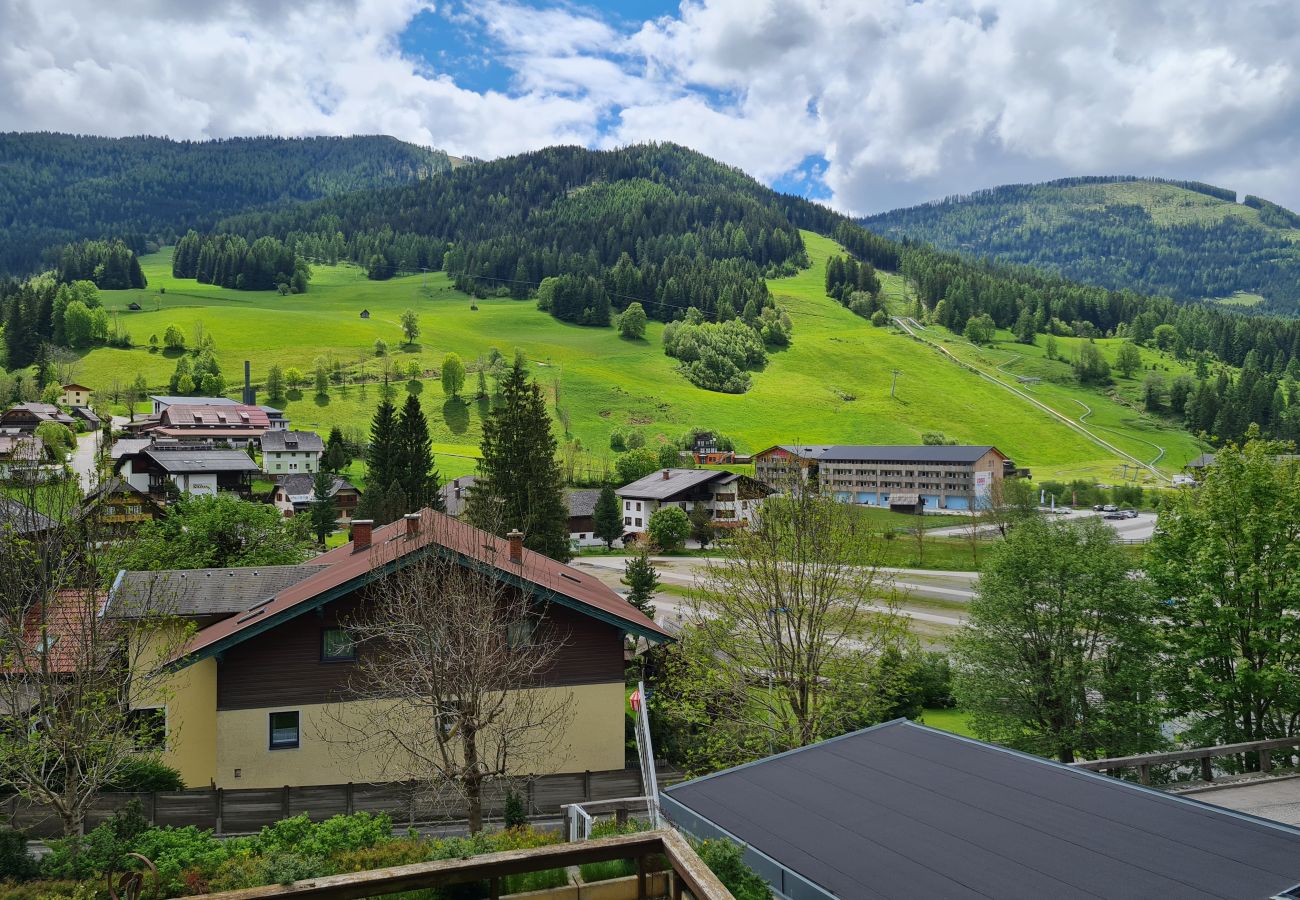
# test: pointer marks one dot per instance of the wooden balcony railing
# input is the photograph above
(689, 874)
(1204, 755)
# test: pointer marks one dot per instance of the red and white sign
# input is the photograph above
(635, 699)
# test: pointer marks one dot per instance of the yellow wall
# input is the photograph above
(593, 740)
(190, 698)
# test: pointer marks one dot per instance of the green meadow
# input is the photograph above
(832, 385)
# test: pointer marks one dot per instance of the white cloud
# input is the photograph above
(905, 100)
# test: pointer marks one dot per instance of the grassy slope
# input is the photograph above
(833, 384)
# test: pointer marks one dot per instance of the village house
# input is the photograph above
(291, 452)
(233, 423)
(256, 693)
(74, 395)
(119, 506)
(191, 468)
(731, 499)
(581, 501)
(25, 418)
(295, 493)
(162, 401)
(21, 456)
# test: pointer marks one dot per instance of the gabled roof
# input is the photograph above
(803, 451)
(21, 518)
(202, 592)
(582, 501)
(343, 570)
(455, 493)
(926, 453)
(656, 487)
(300, 486)
(281, 441)
(74, 387)
(232, 415)
(900, 810)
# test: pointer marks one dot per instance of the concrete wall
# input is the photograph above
(593, 741)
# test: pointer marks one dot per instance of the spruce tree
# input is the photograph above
(642, 580)
(322, 505)
(414, 464)
(336, 451)
(519, 483)
(382, 454)
(608, 517)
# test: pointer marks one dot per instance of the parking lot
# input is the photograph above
(1139, 529)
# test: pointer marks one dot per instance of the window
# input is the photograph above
(337, 644)
(638, 523)
(627, 520)
(638, 506)
(520, 633)
(284, 730)
(148, 727)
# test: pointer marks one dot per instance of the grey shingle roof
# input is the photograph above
(203, 592)
(656, 487)
(21, 518)
(905, 453)
(582, 502)
(455, 504)
(279, 441)
(302, 484)
(905, 811)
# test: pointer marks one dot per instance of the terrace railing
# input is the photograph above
(1205, 756)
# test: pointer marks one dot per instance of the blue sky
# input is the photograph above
(866, 104)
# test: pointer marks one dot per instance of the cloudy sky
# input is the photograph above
(868, 104)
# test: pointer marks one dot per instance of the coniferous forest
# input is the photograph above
(1197, 243)
(57, 189)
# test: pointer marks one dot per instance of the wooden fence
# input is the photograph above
(1255, 755)
(241, 810)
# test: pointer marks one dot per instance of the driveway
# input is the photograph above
(83, 458)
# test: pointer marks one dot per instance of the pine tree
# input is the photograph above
(608, 517)
(519, 484)
(642, 581)
(322, 505)
(414, 465)
(335, 458)
(382, 454)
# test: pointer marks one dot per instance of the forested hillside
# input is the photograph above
(1185, 240)
(58, 188)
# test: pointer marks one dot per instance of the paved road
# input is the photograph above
(1139, 529)
(83, 458)
(925, 596)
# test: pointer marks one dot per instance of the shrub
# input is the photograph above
(714, 356)
(726, 860)
(16, 864)
(515, 814)
(338, 833)
(399, 852)
(144, 774)
(669, 527)
(285, 868)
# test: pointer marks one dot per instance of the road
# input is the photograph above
(1139, 529)
(83, 458)
(931, 599)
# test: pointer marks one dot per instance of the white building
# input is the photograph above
(730, 498)
(291, 452)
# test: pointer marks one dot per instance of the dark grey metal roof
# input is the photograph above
(656, 487)
(905, 811)
(190, 459)
(924, 453)
(203, 592)
(277, 441)
(455, 493)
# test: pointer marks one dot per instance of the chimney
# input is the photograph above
(412, 524)
(667, 475)
(516, 539)
(456, 485)
(361, 534)
(250, 396)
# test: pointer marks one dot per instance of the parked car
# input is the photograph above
(1109, 508)
(1096, 507)
(1114, 515)
(1129, 513)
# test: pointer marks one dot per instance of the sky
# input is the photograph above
(865, 104)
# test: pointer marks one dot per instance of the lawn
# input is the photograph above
(833, 384)
(954, 720)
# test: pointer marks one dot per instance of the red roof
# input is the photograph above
(68, 622)
(231, 416)
(346, 568)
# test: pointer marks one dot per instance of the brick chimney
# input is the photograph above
(361, 529)
(412, 524)
(516, 539)
(667, 474)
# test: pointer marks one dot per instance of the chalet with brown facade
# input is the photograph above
(25, 418)
(731, 499)
(295, 493)
(119, 506)
(256, 691)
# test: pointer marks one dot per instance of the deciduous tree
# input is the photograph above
(669, 527)
(1058, 653)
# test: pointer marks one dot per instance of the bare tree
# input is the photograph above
(786, 630)
(70, 668)
(455, 661)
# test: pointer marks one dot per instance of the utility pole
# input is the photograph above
(894, 384)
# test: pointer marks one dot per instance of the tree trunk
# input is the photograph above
(473, 782)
